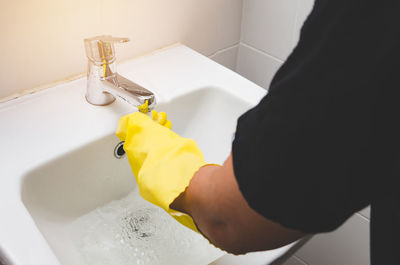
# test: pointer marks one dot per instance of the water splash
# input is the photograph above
(133, 231)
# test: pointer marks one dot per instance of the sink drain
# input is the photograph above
(119, 151)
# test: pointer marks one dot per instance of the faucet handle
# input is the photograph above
(100, 49)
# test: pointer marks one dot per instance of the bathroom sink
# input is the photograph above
(76, 183)
(58, 160)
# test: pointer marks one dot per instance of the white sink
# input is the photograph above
(57, 151)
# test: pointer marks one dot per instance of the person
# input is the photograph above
(322, 144)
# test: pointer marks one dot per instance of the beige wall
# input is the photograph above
(42, 40)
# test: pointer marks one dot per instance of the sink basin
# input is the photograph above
(58, 159)
(72, 185)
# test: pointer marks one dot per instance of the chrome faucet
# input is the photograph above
(104, 84)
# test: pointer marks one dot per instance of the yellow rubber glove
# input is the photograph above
(162, 161)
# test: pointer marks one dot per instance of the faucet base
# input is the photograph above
(100, 100)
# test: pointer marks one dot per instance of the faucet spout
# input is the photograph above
(128, 91)
(104, 84)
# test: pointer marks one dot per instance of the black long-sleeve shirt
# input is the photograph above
(325, 141)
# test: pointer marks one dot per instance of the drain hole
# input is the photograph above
(119, 151)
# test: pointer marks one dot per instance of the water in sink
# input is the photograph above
(133, 231)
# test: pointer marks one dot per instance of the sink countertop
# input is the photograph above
(40, 127)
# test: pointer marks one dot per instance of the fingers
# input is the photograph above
(168, 124)
(161, 118)
(122, 128)
(144, 108)
(154, 114)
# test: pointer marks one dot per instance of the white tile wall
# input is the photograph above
(347, 245)
(227, 57)
(268, 26)
(270, 31)
(304, 8)
(294, 261)
(256, 65)
(366, 212)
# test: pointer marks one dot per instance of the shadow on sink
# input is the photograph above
(77, 182)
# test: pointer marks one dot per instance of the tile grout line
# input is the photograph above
(299, 260)
(363, 217)
(224, 49)
(33, 90)
(262, 52)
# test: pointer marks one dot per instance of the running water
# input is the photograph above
(132, 231)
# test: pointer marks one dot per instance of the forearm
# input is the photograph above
(196, 202)
(222, 214)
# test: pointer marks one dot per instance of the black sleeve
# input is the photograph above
(324, 141)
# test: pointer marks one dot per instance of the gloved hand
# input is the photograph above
(162, 161)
